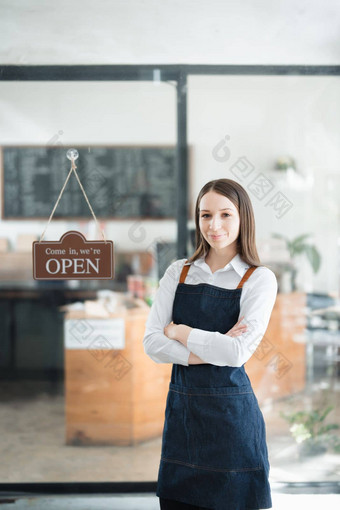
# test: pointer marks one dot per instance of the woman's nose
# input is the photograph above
(215, 223)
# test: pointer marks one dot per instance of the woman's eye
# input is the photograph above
(204, 215)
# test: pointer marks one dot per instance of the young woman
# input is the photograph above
(209, 314)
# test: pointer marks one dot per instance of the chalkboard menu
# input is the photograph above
(120, 182)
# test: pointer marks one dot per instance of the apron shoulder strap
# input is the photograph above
(184, 272)
(245, 277)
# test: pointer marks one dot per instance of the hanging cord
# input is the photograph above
(73, 169)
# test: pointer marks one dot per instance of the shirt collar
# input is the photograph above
(238, 264)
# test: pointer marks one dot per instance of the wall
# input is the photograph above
(170, 31)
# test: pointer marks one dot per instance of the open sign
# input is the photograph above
(73, 258)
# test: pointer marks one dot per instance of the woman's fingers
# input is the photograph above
(240, 319)
(238, 328)
(235, 333)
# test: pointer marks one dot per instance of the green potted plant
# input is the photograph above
(284, 163)
(311, 433)
(298, 246)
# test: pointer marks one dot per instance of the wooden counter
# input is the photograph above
(115, 397)
(278, 366)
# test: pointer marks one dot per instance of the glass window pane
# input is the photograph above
(80, 400)
(279, 137)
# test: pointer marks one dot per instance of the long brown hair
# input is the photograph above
(246, 246)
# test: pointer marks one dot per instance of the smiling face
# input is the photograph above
(219, 223)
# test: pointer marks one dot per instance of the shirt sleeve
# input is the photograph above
(260, 292)
(157, 345)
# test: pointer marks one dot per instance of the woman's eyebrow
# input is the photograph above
(226, 209)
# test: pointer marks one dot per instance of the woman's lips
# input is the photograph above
(216, 237)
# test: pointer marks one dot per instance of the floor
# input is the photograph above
(33, 449)
(150, 502)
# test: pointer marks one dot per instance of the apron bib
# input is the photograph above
(214, 452)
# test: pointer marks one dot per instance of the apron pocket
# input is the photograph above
(214, 428)
(178, 441)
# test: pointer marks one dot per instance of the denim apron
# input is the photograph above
(214, 452)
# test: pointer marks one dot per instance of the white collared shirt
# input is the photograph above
(257, 301)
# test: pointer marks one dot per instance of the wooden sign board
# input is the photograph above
(73, 258)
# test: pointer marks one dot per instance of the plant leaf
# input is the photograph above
(313, 257)
(300, 238)
(327, 410)
(326, 428)
(279, 236)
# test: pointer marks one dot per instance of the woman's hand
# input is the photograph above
(238, 329)
(179, 332)
(170, 330)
